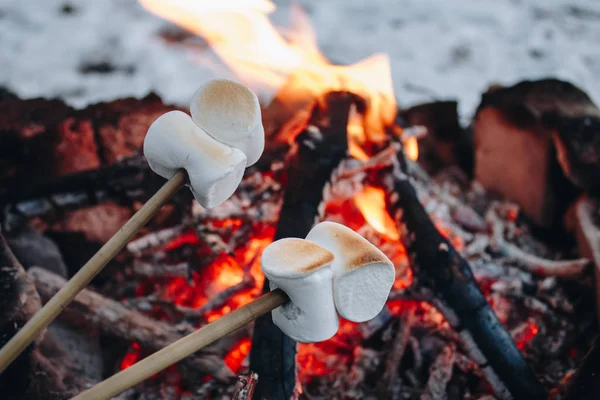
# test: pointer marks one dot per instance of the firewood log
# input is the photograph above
(538, 143)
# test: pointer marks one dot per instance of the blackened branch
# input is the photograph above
(446, 279)
(318, 151)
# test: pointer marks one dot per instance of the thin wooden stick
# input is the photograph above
(43, 317)
(184, 347)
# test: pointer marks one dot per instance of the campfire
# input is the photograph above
(492, 230)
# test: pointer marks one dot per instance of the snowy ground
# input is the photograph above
(438, 48)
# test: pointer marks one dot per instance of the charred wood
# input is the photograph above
(446, 279)
(319, 149)
(585, 384)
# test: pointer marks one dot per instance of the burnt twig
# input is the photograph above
(440, 374)
(537, 265)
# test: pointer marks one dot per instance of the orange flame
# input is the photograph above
(241, 34)
(371, 203)
(412, 148)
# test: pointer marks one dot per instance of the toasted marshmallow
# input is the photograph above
(214, 169)
(230, 113)
(302, 269)
(362, 275)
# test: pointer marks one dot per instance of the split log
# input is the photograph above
(443, 277)
(320, 148)
(92, 310)
(519, 132)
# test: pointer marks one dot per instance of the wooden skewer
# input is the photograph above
(46, 314)
(184, 347)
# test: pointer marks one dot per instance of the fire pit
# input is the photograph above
(492, 229)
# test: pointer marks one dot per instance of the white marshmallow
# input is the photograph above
(230, 113)
(214, 169)
(302, 269)
(362, 275)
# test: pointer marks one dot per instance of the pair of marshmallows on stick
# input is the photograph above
(223, 136)
(333, 272)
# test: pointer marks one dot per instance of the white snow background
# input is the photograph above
(439, 49)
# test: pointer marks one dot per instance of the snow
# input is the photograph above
(438, 49)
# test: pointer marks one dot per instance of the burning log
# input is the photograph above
(445, 279)
(518, 132)
(92, 310)
(320, 148)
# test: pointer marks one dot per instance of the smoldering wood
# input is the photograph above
(446, 279)
(92, 310)
(193, 314)
(319, 149)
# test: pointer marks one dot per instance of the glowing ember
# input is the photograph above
(238, 353)
(132, 356)
(242, 35)
(186, 238)
(524, 333)
(371, 202)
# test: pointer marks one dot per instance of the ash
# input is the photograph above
(90, 51)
